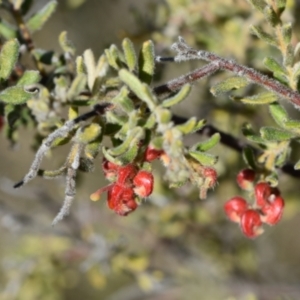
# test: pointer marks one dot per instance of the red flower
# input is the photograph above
(273, 210)
(251, 223)
(245, 179)
(126, 175)
(121, 200)
(210, 175)
(235, 207)
(152, 154)
(143, 183)
(262, 193)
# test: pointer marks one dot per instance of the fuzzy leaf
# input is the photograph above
(77, 86)
(180, 96)
(124, 101)
(209, 143)
(146, 62)
(7, 30)
(264, 36)
(163, 115)
(292, 125)
(229, 84)
(89, 62)
(29, 77)
(286, 30)
(278, 113)
(141, 90)
(15, 95)
(157, 142)
(130, 55)
(199, 125)
(248, 157)
(275, 134)
(8, 58)
(280, 4)
(271, 16)
(129, 156)
(289, 56)
(115, 119)
(262, 98)
(151, 121)
(206, 159)
(188, 126)
(258, 4)
(113, 56)
(88, 133)
(66, 44)
(37, 21)
(273, 65)
(250, 134)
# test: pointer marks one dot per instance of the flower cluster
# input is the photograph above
(267, 207)
(129, 184)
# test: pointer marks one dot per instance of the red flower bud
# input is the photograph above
(262, 193)
(110, 170)
(273, 210)
(210, 175)
(251, 223)
(245, 179)
(152, 154)
(121, 200)
(143, 183)
(126, 175)
(235, 207)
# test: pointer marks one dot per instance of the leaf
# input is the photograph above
(130, 55)
(37, 21)
(209, 143)
(271, 16)
(8, 58)
(273, 65)
(146, 62)
(163, 115)
(229, 84)
(278, 113)
(275, 134)
(89, 62)
(180, 96)
(264, 36)
(29, 77)
(258, 4)
(286, 31)
(206, 159)
(66, 44)
(250, 134)
(262, 98)
(124, 101)
(249, 158)
(77, 86)
(15, 95)
(88, 133)
(7, 30)
(113, 56)
(188, 126)
(140, 89)
(44, 56)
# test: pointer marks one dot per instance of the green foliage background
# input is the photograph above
(174, 246)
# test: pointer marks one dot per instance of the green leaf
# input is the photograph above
(7, 30)
(37, 21)
(88, 133)
(273, 65)
(163, 115)
(286, 30)
(115, 119)
(258, 4)
(146, 62)
(264, 36)
(250, 134)
(288, 59)
(124, 101)
(209, 143)
(280, 4)
(275, 134)
(114, 57)
(180, 96)
(229, 84)
(292, 125)
(8, 58)
(206, 159)
(271, 16)
(15, 95)
(262, 98)
(249, 158)
(199, 125)
(77, 86)
(29, 77)
(140, 89)
(278, 113)
(90, 66)
(130, 55)
(66, 44)
(188, 126)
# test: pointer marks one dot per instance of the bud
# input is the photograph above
(251, 223)
(152, 154)
(235, 207)
(273, 210)
(143, 183)
(245, 179)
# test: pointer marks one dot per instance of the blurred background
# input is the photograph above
(174, 246)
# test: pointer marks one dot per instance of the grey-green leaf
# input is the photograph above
(15, 95)
(275, 134)
(130, 55)
(209, 143)
(266, 37)
(37, 21)
(278, 113)
(262, 98)
(29, 77)
(147, 62)
(229, 84)
(180, 96)
(8, 58)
